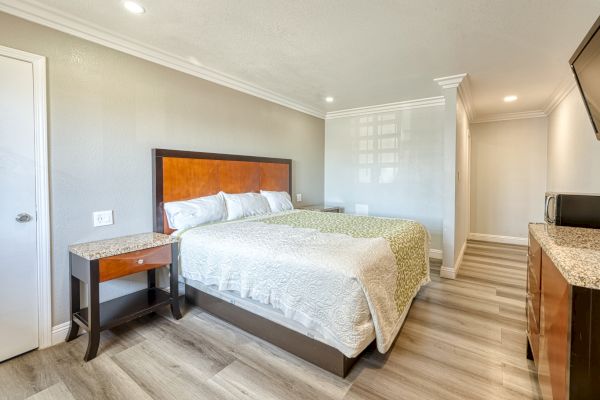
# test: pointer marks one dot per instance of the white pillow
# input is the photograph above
(189, 213)
(245, 205)
(278, 201)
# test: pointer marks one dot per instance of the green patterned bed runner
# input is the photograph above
(408, 240)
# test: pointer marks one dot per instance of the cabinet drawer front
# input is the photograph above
(136, 261)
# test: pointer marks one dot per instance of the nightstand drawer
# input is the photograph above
(137, 261)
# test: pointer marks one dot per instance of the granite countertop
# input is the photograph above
(574, 251)
(120, 245)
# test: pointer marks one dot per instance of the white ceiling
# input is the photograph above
(361, 52)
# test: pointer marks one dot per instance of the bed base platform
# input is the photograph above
(313, 351)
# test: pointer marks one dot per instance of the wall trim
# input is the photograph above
(509, 116)
(435, 254)
(42, 198)
(522, 241)
(44, 15)
(447, 272)
(459, 260)
(452, 81)
(59, 332)
(560, 93)
(464, 91)
(451, 273)
(397, 106)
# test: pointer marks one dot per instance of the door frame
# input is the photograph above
(42, 197)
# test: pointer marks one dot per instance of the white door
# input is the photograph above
(18, 261)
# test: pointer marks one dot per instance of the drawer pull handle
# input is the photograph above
(140, 261)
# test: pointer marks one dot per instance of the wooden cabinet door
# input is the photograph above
(534, 263)
(554, 332)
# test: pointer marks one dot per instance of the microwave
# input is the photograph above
(565, 209)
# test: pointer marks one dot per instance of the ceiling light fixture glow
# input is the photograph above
(510, 98)
(329, 99)
(134, 7)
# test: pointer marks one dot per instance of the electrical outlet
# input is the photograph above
(102, 218)
(299, 197)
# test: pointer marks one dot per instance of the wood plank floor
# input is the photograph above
(463, 339)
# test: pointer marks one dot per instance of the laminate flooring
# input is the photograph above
(462, 339)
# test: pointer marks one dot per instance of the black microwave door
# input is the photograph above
(581, 211)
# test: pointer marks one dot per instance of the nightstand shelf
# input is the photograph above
(126, 308)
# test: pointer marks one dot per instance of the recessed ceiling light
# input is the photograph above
(510, 98)
(134, 7)
(329, 99)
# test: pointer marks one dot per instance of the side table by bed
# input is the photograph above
(104, 260)
(323, 208)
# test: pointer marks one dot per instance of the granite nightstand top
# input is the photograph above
(120, 245)
(574, 251)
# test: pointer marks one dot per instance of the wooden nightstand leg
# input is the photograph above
(174, 280)
(151, 278)
(93, 312)
(75, 302)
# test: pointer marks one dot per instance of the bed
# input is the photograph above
(323, 286)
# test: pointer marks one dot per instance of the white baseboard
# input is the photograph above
(59, 332)
(450, 273)
(523, 241)
(447, 272)
(435, 253)
(459, 260)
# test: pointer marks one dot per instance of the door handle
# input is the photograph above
(550, 219)
(23, 217)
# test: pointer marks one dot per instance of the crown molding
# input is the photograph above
(562, 91)
(463, 85)
(448, 82)
(464, 91)
(509, 116)
(43, 15)
(401, 105)
(559, 94)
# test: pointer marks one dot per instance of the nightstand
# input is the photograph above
(323, 208)
(104, 260)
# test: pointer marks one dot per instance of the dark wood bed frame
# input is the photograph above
(183, 175)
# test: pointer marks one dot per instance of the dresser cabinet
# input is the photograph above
(534, 265)
(563, 330)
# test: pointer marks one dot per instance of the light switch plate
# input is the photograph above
(102, 218)
(299, 197)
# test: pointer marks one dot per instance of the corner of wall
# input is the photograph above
(452, 272)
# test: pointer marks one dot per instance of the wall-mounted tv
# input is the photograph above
(585, 64)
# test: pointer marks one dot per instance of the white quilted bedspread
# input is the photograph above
(337, 285)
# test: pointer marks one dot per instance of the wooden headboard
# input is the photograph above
(183, 175)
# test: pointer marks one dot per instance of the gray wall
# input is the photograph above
(508, 175)
(106, 110)
(390, 162)
(573, 151)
